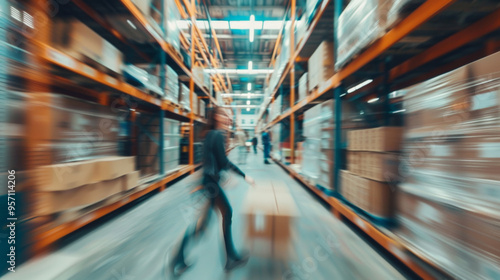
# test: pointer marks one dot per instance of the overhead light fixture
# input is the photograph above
(15, 13)
(373, 100)
(249, 87)
(131, 24)
(399, 111)
(240, 71)
(355, 88)
(252, 28)
(219, 24)
(272, 25)
(343, 94)
(250, 65)
(28, 20)
(245, 24)
(248, 102)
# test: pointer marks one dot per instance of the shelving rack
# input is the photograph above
(450, 47)
(109, 90)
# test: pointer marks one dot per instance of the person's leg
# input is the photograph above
(194, 231)
(222, 203)
(255, 149)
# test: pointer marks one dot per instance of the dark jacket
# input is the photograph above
(266, 139)
(214, 156)
(255, 141)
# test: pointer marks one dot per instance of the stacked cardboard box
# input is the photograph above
(148, 148)
(373, 169)
(76, 129)
(172, 137)
(321, 65)
(153, 12)
(312, 144)
(303, 87)
(270, 212)
(69, 186)
(327, 146)
(451, 159)
(184, 100)
(76, 39)
(201, 76)
(172, 85)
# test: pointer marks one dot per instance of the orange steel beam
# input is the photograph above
(292, 83)
(477, 30)
(421, 15)
(191, 90)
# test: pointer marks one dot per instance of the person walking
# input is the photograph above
(214, 161)
(241, 140)
(254, 144)
(266, 142)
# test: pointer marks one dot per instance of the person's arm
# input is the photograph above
(220, 154)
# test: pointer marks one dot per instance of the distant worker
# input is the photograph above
(241, 139)
(214, 161)
(254, 144)
(266, 142)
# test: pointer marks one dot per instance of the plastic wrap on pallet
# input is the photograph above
(184, 100)
(400, 9)
(450, 168)
(141, 78)
(361, 22)
(172, 18)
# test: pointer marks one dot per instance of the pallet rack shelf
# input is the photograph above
(44, 80)
(404, 72)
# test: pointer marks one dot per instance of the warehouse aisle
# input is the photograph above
(137, 243)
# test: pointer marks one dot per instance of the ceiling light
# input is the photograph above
(245, 24)
(373, 100)
(355, 88)
(28, 20)
(249, 86)
(131, 24)
(272, 25)
(248, 102)
(399, 111)
(219, 24)
(250, 65)
(240, 71)
(252, 28)
(15, 13)
(343, 94)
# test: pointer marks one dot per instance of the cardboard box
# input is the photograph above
(382, 167)
(481, 231)
(380, 139)
(113, 167)
(78, 40)
(130, 180)
(66, 176)
(424, 208)
(303, 87)
(374, 197)
(270, 212)
(46, 203)
(321, 65)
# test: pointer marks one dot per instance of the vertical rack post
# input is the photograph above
(163, 82)
(292, 83)
(385, 93)
(338, 103)
(191, 89)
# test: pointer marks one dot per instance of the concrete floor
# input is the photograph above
(137, 244)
